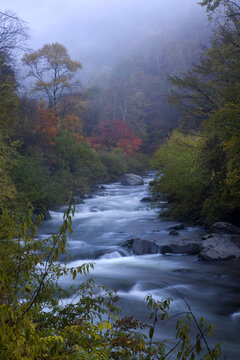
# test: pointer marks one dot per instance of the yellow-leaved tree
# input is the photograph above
(53, 70)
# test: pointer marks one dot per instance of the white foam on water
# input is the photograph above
(236, 315)
(56, 215)
(111, 255)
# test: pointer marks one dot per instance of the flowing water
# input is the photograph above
(115, 214)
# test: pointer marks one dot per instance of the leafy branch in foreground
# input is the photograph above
(40, 320)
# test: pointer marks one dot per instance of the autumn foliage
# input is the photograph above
(74, 125)
(111, 134)
(47, 124)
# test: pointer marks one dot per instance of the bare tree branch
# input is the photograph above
(13, 33)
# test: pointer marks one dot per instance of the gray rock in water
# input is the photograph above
(79, 199)
(220, 247)
(131, 179)
(141, 247)
(173, 232)
(225, 228)
(146, 199)
(46, 215)
(187, 249)
(176, 227)
(182, 270)
(98, 187)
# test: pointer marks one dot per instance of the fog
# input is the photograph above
(100, 32)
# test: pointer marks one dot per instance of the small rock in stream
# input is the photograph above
(187, 249)
(173, 232)
(182, 270)
(79, 199)
(142, 247)
(146, 199)
(176, 227)
(46, 215)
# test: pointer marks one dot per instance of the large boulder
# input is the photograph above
(142, 247)
(186, 249)
(224, 228)
(220, 246)
(131, 179)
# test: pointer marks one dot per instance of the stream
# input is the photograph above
(115, 214)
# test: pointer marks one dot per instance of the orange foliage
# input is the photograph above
(74, 125)
(47, 124)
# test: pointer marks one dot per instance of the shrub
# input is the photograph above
(115, 162)
(179, 174)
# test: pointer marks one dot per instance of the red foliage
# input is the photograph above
(116, 133)
(47, 124)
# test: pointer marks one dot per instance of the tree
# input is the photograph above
(13, 32)
(8, 98)
(7, 188)
(180, 176)
(74, 125)
(194, 95)
(47, 125)
(53, 70)
(212, 5)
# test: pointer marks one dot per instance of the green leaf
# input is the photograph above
(151, 332)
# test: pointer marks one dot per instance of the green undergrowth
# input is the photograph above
(35, 322)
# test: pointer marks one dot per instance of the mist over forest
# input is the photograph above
(116, 30)
(102, 33)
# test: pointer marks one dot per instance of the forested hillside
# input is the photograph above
(200, 160)
(137, 88)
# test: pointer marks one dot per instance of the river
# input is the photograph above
(115, 214)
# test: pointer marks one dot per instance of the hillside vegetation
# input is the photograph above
(200, 160)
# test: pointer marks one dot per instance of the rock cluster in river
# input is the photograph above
(221, 243)
(141, 247)
(131, 179)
